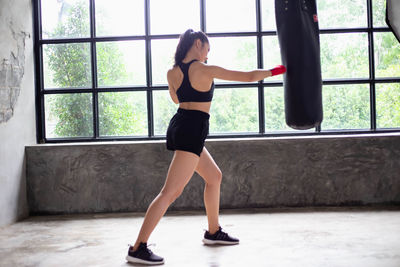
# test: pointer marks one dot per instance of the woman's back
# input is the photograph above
(199, 83)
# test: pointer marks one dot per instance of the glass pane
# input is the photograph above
(275, 110)
(123, 114)
(174, 16)
(387, 55)
(231, 15)
(342, 14)
(344, 55)
(162, 57)
(346, 106)
(164, 109)
(236, 53)
(119, 17)
(272, 55)
(68, 115)
(388, 105)
(268, 15)
(65, 19)
(234, 110)
(379, 13)
(67, 65)
(121, 63)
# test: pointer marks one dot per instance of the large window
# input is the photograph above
(101, 67)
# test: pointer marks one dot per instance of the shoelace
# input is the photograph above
(147, 247)
(221, 235)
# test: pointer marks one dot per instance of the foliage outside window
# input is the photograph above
(108, 71)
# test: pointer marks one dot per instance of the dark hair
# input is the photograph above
(186, 41)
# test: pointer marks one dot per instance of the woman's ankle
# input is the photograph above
(136, 245)
(213, 230)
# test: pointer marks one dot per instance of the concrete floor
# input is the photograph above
(273, 237)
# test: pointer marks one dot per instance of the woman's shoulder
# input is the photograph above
(200, 66)
(204, 68)
(174, 74)
(195, 65)
(174, 68)
(173, 71)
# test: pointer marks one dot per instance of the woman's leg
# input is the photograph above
(180, 171)
(208, 169)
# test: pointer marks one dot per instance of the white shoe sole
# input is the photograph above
(136, 260)
(218, 242)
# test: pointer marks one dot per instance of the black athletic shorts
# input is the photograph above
(188, 130)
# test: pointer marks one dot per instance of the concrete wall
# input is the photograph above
(266, 172)
(17, 100)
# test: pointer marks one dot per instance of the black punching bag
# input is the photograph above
(298, 34)
(393, 17)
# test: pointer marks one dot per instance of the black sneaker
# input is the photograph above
(143, 255)
(219, 238)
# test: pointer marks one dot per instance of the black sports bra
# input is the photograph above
(186, 93)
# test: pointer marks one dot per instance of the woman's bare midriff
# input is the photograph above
(202, 106)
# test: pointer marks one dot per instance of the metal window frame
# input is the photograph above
(40, 92)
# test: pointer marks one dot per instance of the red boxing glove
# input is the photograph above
(280, 69)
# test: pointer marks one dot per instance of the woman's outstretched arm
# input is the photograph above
(242, 76)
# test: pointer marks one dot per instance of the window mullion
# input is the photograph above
(149, 83)
(260, 65)
(371, 65)
(203, 15)
(38, 57)
(95, 96)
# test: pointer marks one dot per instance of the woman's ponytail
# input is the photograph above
(186, 41)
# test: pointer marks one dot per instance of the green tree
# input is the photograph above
(387, 62)
(70, 64)
(379, 12)
(388, 107)
(346, 56)
(234, 110)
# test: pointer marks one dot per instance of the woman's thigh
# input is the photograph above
(180, 171)
(207, 168)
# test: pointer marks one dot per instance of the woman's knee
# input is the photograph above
(219, 176)
(171, 195)
(216, 178)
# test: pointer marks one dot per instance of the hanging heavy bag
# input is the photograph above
(298, 34)
(393, 17)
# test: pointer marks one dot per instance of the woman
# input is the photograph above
(191, 85)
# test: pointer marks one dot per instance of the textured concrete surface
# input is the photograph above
(11, 73)
(17, 106)
(256, 173)
(283, 238)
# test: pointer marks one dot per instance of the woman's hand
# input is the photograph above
(280, 69)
